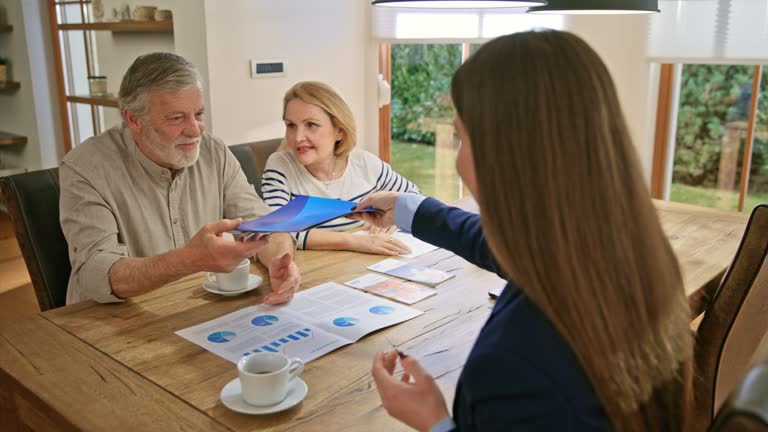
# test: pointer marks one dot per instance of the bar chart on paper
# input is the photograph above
(263, 330)
(279, 344)
(316, 322)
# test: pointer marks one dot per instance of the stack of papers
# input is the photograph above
(412, 272)
(391, 288)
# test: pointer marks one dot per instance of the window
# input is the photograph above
(424, 142)
(711, 134)
(711, 141)
(420, 51)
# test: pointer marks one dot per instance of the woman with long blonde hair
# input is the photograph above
(591, 333)
(319, 157)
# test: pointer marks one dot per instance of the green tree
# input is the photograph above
(421, 81)
(710, 97)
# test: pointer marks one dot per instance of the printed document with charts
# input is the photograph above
(317, 321)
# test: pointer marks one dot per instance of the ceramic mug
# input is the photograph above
(265, 377)
(234, 281)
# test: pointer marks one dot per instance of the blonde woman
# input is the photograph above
(319, 157)
(591, 333)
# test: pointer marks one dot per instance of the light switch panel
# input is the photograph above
(267, 68)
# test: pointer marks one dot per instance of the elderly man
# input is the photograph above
(145, 203)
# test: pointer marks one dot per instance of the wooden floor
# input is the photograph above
(17, 298)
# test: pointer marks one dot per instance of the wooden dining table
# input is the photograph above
(121, 366)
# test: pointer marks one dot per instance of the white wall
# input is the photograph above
(31, 110)
(622, 41)
(325, 40)
(116, 51)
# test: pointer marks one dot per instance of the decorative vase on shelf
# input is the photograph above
(97, 8)
(3, 72)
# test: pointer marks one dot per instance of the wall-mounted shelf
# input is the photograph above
(9, 85)
(123, 26)
(11, 139)
(94, 100)
(6, 28)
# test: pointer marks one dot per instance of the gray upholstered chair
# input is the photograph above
(253, 157)
(734, 322)
(33, 203)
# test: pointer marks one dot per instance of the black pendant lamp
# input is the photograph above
(597, 7)
(457, 4)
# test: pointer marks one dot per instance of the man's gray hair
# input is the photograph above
(156, 71)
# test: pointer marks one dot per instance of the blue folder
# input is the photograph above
(301, 214)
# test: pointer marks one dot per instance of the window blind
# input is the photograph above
(709, 31)
(455, 25)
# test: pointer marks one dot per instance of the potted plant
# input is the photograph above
(3, 69)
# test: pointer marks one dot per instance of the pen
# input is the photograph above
(400, 354)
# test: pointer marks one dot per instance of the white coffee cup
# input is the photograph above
(234, 281)
(264, 377)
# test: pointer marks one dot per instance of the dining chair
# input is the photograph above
(746, 409)
(33, 204)
(253, 157)
(733, 323)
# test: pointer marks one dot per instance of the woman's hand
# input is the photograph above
(378, 244)
(373, 229)
(413, 399)
(384, 201)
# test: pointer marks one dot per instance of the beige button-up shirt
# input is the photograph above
(115, 202)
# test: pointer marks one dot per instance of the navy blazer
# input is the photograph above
(521, 375)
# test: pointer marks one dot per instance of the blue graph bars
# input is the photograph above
(296, 336)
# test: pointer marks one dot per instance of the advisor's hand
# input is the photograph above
(384, 201)
(416, 402)
(285, 277)
(208, 251)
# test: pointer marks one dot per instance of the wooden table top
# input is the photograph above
(135, 341)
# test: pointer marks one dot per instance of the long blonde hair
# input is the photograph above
(568, 215)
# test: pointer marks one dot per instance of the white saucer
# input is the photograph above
(253, 282)
(232, 398)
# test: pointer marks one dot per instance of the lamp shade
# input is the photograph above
(596, 7)
(457, 4)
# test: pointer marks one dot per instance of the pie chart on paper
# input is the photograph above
(345, 322)
(381, 310)
(221, 336)
(264, 320)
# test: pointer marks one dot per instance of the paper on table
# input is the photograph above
(416, 246)
(301, 214)
(317, 321)
(391, 288)
(410, 271)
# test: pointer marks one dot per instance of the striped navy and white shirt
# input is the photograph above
(284, 178)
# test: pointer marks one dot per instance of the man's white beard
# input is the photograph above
(168, 153)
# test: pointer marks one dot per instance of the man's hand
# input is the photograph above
(414, 399)
(384, 201)
(208, 251)
(285, 278)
